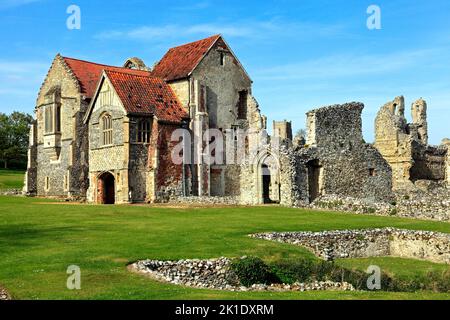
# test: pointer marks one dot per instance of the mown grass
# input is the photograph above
(39, 239)
(11, 179)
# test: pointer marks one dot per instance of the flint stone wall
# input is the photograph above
(424, 245)
(217, 274)
(347, 165)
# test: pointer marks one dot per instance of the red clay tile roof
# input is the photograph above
(88, 73)
(180, 61)
(144, 94)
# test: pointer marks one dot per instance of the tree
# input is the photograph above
(14, 131)
(300, 137)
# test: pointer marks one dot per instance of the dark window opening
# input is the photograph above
(144, 131)
(314, 179)
(372, 172)
(222, 59)
(242, 104)
(58, 118)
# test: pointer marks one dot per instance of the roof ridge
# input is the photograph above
(99, 64)
(188, 43)
(132, 73)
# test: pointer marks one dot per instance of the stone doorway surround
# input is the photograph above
(268, 178)
(106, 188)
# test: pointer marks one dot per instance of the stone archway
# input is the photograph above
(268, 179)
(106, 188)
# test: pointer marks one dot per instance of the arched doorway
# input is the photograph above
(266, 183)
(268, 177)
(106, 189)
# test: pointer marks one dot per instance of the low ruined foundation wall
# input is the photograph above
(227, 200)
(424, 245)
(427, 205)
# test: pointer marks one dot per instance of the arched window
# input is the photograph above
(52, 111)
(144, 131)
(107, 130)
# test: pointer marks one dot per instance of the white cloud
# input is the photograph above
(243, 29)
(5, 4)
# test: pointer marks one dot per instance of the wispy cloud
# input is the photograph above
(5, 4)
(21, 78)
(242, 29)
(345, 65)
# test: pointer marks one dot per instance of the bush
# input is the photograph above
(252, 270)
(293, 271)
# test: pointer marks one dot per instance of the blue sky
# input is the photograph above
(300, 54)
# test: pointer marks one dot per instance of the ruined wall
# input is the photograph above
(446, 143)
(60, 158)
(429, 162)
(393, 141)
(30, 179)
(330, 245)
(405, 145)
(419, 119)
(336, 126)
(337, 161)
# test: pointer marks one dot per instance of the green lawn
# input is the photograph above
(39, 239)
(11, 179)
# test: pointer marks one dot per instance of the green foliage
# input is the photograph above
(307, 271)
(14, 131)
(290, 271)
(252, 270)
(393, 212)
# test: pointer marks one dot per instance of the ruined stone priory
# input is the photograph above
(104, 134)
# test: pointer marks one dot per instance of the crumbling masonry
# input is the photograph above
(405, 145)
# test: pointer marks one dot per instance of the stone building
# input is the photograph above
(103, 133)
(110, 134)
(405, 145)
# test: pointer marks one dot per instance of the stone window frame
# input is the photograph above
(48, 119)
(106, 123)
(222, 58)
(47, 183)
(67, 181)
(144, 131)
(52, 112)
